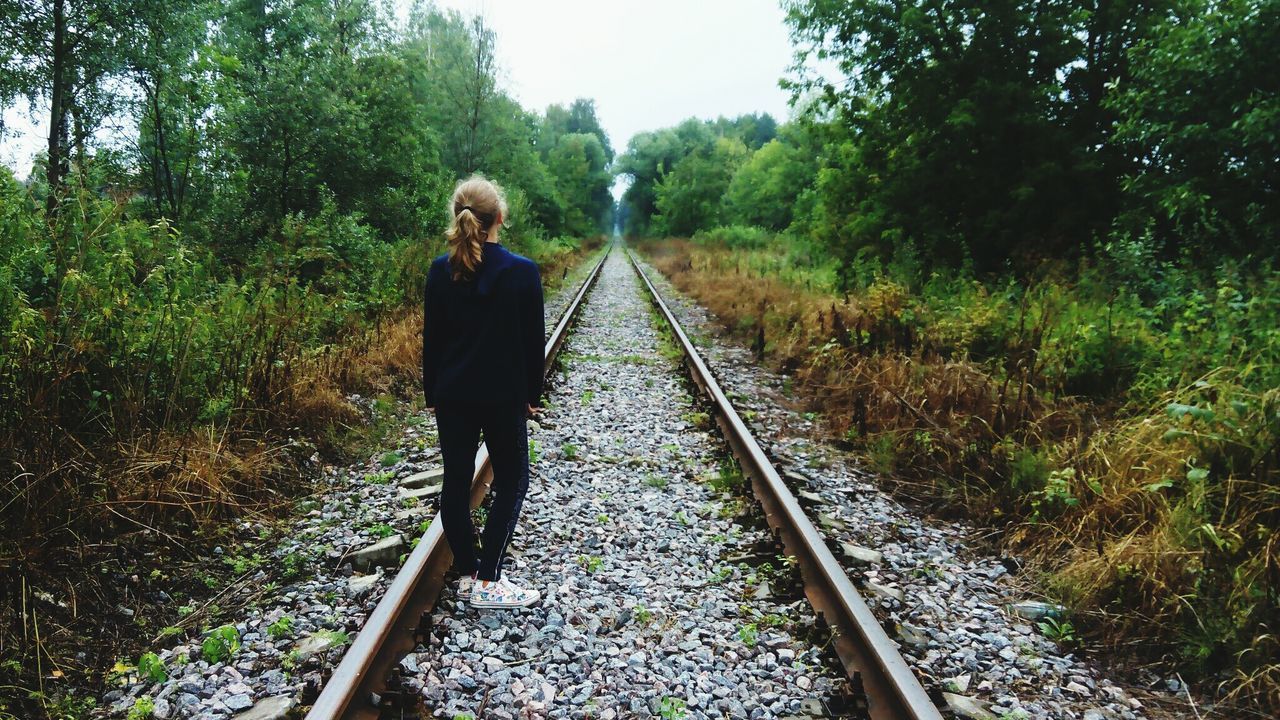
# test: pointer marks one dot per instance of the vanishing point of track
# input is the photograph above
(365, 683)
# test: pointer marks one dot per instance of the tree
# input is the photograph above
(581, 168)
(168, 62)
(976, 129)
(580, 117)
(765, 189)
(1201, 117)
(689, 197)
(650, 156)
(62, 52)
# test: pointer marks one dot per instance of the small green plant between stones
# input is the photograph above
(671, 708)
(643, 614)
(1059, 631)
(143, 709)
(280, 628)
(151, 668)
(221, 644)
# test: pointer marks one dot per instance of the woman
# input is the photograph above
(482, 341)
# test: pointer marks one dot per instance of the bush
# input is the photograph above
(736, 236)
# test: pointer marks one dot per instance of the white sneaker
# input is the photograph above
(465, 583)
(502, 594)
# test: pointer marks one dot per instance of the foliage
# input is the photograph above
(282, 627)
(151, 668)
(689, 196)
(220, 645)
(652, 156)
(142, 709)
(1199, 116)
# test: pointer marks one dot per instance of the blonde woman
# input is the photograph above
(482, 344)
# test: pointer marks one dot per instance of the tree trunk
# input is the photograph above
(57, 162)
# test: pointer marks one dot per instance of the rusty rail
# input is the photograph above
(389, 632)
(876, 670)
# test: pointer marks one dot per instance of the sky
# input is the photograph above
(648, 64)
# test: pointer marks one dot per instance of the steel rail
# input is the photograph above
(875, 668)
(389, 632)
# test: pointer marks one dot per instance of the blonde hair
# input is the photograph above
(477, 205)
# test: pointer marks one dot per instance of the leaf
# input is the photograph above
(1204, 414)
(1197, 475)
(1159, 485)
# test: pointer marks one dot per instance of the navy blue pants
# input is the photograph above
(507, 440)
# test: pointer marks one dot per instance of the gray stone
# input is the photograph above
(385, 552)
(421, 493)
(967, 707)
(435, 476)
(361, 584)
(861, 554)
(888, 592)
(314, 644)
(276, 708)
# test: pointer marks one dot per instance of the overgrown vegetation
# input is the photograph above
(1024, 259)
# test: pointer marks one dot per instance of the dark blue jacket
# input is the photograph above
(482, 339)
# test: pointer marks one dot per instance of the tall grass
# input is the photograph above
(1119, 420)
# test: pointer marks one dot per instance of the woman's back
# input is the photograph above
(483, 335)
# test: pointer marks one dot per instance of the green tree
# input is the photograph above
(767, 187)
(650, 156)
(581, 169)
(972, 129)
(1201, 115)
(579, 117)
(63, 52)
(690, 196)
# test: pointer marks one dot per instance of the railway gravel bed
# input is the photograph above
(964, 622)
(299, 603)
(649, 607)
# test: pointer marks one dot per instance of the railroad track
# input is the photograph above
(393, 627)
(366, 683)
(876, 671)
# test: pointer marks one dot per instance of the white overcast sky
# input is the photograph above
(648, 64)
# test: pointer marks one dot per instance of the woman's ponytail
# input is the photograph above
(476, 205)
